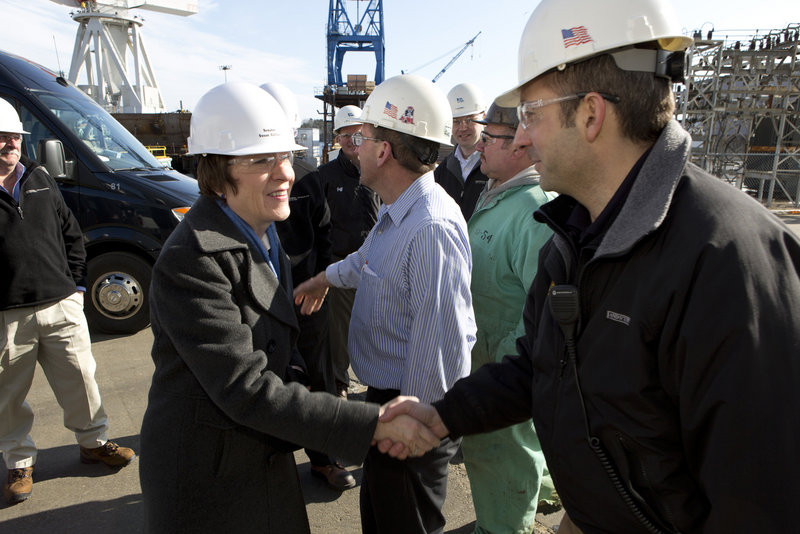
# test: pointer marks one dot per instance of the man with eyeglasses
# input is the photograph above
(460, 172)
(660, 360)
(42, 282)
(353, 212)
(506, 468)
(413, 325)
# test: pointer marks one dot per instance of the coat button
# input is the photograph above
(271, 346)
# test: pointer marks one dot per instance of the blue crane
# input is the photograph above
(366, 36)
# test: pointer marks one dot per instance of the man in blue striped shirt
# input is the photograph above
(413, 326)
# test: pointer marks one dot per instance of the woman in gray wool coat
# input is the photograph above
(223, 418)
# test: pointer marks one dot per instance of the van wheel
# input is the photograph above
(117, 301)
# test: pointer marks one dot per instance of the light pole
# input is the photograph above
(225, 69)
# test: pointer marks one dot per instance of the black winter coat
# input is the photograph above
(688, 356)
(42, 258)
(465, 193)
(353, 206)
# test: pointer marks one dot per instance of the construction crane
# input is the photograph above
(109, 47)
(450, 63)
(365, 36)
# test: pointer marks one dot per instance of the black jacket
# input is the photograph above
(42, 258)
(688, 356)
(465, 193)
(305, 235)
(354, 207)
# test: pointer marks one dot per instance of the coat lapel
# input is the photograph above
(216, 233)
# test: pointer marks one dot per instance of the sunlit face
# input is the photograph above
(345, 140)
(368, 156)
(553, 148)
(495, 147)
(466, 132)
(10, 150)
(263, 183)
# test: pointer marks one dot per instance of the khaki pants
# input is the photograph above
(57, 336)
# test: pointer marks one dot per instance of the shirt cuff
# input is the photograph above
(332, 274)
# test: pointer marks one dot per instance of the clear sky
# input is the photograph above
(268, 40)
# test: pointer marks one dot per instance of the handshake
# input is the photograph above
(407, 427)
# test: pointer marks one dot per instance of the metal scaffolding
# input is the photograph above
(741, 104)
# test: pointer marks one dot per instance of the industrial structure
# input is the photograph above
(110, 48)
(366, 35)
(741, 104)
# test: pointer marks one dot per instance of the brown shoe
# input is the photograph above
(19, 485)
(109, 453)
(335, 475)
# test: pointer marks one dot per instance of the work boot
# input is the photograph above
(109, 453)
(335, 475)
(19, 485)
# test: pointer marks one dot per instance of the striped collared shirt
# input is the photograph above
(412, 326)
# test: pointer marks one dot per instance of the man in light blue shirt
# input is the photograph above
(413, 326)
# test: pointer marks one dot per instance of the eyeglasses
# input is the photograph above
(490, 139)
(262, 164)
(359, 138)
(527, 111)
(8, 137)
(346, 136)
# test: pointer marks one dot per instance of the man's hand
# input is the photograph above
(404, 436)
(404, 407)
(311, 294)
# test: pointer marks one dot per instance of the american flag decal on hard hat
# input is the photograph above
(390, 109)
(575, 36)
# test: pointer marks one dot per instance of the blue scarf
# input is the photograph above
(271, 255)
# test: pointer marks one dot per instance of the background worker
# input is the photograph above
(225, 411)
(413, 326)
(42, 282)
(661, 328)
(460, 172)
(353, 212)
(505, 467)
(305, 237)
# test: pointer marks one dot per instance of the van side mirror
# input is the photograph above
(51, 155)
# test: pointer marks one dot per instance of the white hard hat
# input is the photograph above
(347, 116)
(466, 99)
(412, 105)
(286, 99)
(9, 119)
(560, 32)
(238, 118)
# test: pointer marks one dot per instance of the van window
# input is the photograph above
(111, 142)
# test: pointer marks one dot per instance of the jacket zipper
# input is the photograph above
(16, 205)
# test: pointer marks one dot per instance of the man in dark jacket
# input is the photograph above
(353, 211)
(43, 278)
(660, 360)
(460, 172)
(305, 237)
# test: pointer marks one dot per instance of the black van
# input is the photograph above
(126, 203)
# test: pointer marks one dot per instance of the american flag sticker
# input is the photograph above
(575, 36)
(390, 110)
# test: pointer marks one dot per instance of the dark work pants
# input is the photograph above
(404, 497)
(315, 350)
